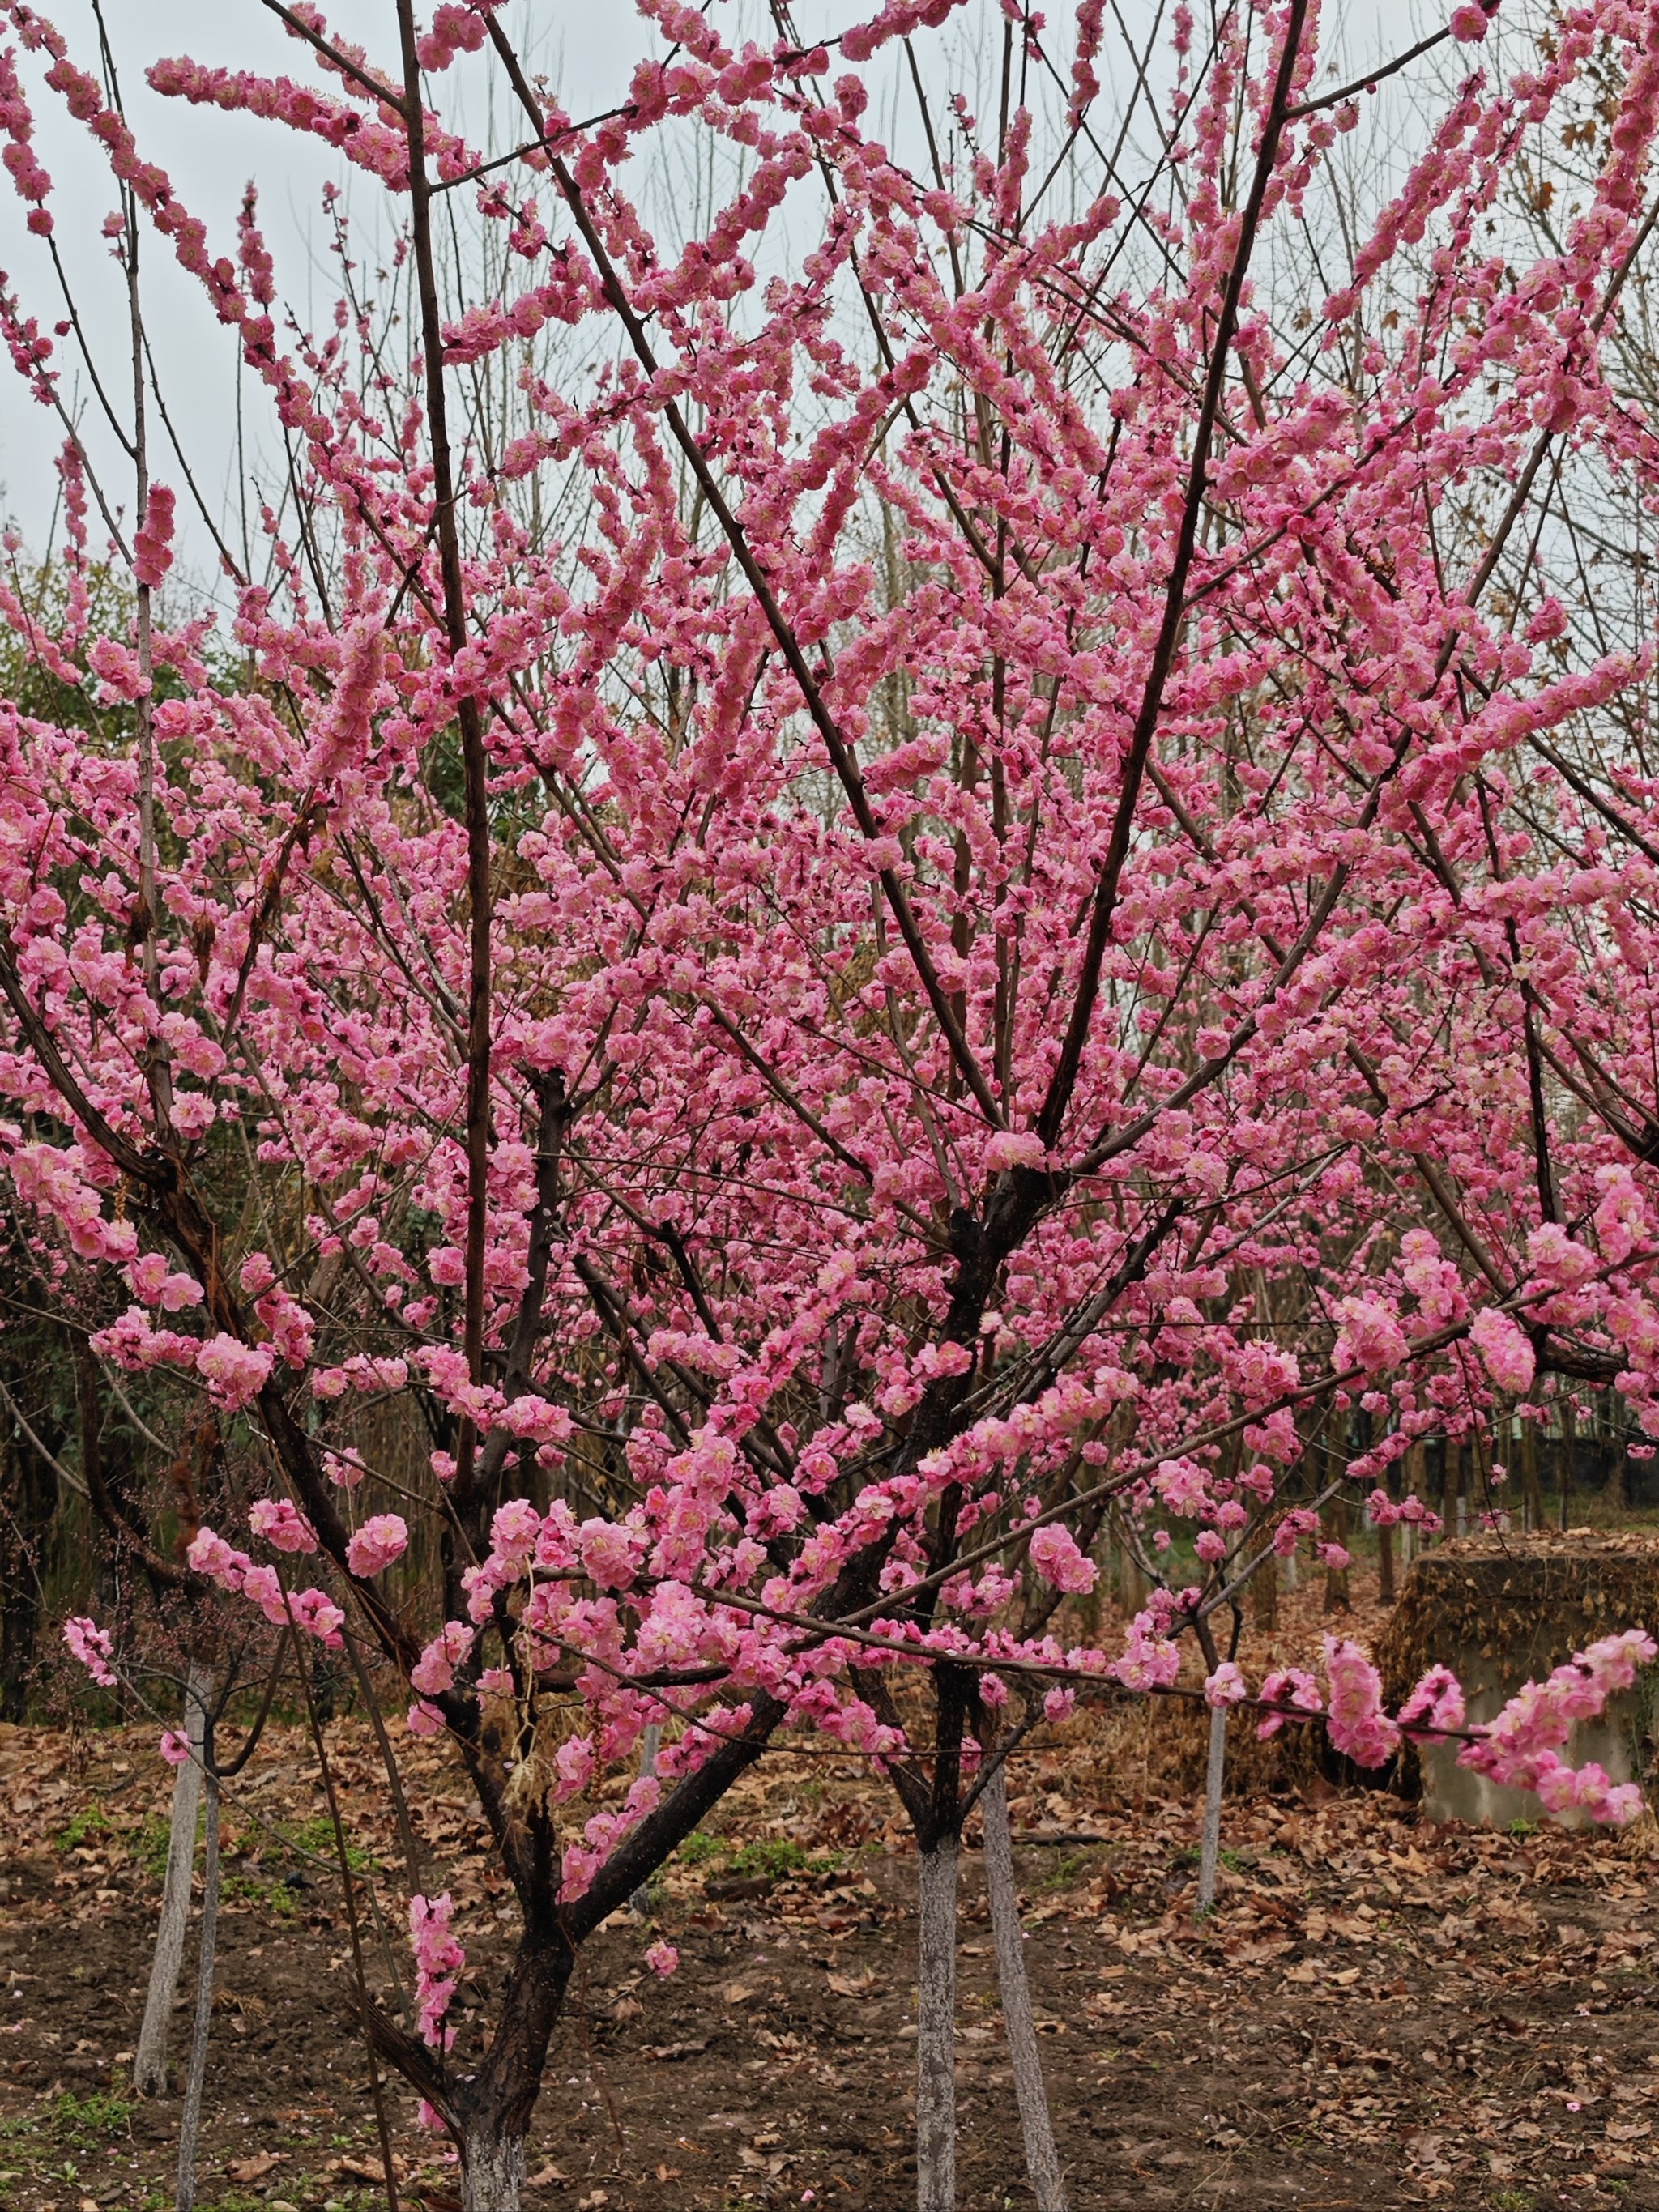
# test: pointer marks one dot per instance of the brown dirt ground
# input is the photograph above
(1381, 2012)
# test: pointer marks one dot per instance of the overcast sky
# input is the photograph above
(586, 47)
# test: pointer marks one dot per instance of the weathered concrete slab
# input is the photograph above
(1501, 1610)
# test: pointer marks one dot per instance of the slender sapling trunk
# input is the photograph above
(149, 2069)
(650, 1745)
(1041, 2158)
(189, 2123)
(1214, 1773)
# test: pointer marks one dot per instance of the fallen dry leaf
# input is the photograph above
(253, 2169)
(360, 2169)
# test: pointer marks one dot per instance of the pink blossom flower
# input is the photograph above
(1507, 1355)
(91, 1645)
(438, 1959)
(662, 1958)
(315, 1613)
(1355, 1720)
(1184, 1486)
(1437, 1702)
(382, 1539)
(151, 546)
(234, 1373)
(1371, 1337)
(1291, 1686)
(1148, 1661)
(210, 1555)
(282, 1524)
(434, 1671)
(1056, 1558)
(610, 1554)
(513, 1531)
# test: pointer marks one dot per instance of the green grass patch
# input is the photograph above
(772, 1858)
(90, 1820)
(81, 2121)
(265, 1866)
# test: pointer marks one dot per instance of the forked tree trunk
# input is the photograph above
(1041, 2158)
(492, 2170)
(149, 2067)
(936, 2030)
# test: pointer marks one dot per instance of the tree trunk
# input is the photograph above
(936, 2031)
(1569, 1438)
(28, 1501)
(1532, 1494)
(1214, 1775)
(149, 2067)
(1131, 1582)
(1414, 1471)
(1336, 1578)
(1386, 1586)
(650, 1744)
(1264, 1595)
(492, 2170)
(1041, 2158)
(191, 2122)
(1464, 1453)
(1613, 1481)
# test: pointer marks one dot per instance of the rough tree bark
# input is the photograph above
(492, 2178)
(936, 2028)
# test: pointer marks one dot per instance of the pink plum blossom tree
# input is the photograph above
(859, 888)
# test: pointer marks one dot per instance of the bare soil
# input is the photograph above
(1380, 2012)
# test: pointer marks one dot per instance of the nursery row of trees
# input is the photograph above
(861, 877)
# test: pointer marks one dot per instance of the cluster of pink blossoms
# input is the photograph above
(92, 1646)
(439, 1959)
(1520, 1748)
(313, 1611)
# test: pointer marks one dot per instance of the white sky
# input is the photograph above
(586, 47)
